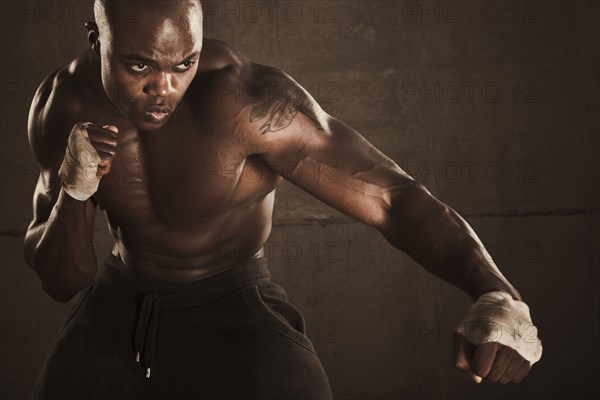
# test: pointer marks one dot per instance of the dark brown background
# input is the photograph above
(492, 105)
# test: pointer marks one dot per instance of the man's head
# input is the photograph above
(149, 53)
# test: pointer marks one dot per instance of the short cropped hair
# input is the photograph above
(109, 12)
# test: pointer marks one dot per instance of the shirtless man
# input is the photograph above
(159, 126)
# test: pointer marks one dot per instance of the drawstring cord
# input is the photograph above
(146, 331)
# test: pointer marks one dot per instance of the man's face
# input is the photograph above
(148, 65)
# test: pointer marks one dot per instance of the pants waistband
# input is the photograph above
(204, 291)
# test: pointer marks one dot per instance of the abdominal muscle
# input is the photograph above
(238, 237)
(160, 271)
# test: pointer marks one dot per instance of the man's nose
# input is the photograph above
(162, 84)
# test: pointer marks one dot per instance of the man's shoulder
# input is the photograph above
(67, 86)
(238, 87)
(231, 65)
(57, 104)
(233, 77)
(218, 84)
(218, 55)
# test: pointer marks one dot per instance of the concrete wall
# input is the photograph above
(492, 105)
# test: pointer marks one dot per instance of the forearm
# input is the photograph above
(61, 250)
(440, 240)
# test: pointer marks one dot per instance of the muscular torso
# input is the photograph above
(186, 201)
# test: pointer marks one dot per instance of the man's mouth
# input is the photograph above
(156, 114)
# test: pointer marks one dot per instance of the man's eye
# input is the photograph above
(184, 66)
(138, 67)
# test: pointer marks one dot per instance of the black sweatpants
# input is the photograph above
(233, 335)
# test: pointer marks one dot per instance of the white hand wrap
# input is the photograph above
(80, 165)
(497, 317)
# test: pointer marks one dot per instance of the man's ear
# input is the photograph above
(93, 36)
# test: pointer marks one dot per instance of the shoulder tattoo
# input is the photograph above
(284, 105)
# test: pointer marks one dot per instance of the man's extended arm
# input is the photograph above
(334, 163)
(290, 132)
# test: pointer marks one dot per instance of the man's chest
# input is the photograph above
(180, 177)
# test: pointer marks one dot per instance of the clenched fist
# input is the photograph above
(497, 340)
(88, 157)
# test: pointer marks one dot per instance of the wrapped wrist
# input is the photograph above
(497, 317)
